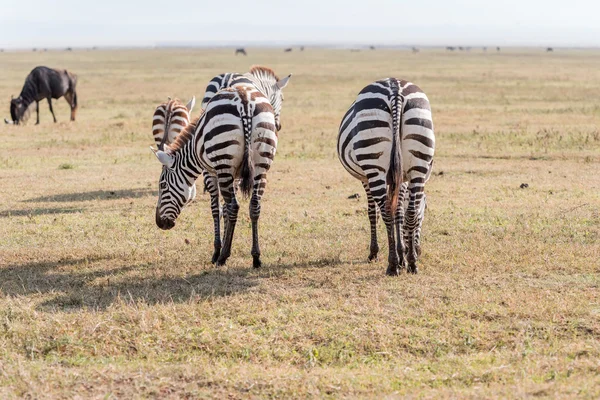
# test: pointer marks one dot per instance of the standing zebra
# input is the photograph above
(263, 78)
(385, 138)
(235, 138)
(170, 119)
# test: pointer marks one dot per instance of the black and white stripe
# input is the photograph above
(235, 138)
(169, 120)
(263, 78)
(386, 141)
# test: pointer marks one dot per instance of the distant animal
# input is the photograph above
(450, 48)
(386, 141)
(34, 49)
(485, 49)
(1, 50)
(301, 48)
(498, 48)
(372, 47)
(289, 49)
(415, 50)
(549, 49)
(241, 50)
(69, 49)
(44, 83)
(265, 80)
(234, 138)
(460, 48)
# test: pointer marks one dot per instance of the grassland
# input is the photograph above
(97, 302)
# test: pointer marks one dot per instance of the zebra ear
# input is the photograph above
(165, 158)
(283, 82)
(191, 104)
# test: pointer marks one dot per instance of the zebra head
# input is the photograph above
(174, 189)
(272, 87)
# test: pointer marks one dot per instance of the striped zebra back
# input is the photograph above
(262, 78)
(169, 120)
(226, 80)
(418, 138)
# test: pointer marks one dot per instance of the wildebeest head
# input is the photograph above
(17, 110)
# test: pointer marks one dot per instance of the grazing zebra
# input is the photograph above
(235, 138)
(263, 78)
(385, 138)
(170, 119)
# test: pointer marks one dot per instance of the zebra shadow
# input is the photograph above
(88, 283)
(95, 195)
(39, 211)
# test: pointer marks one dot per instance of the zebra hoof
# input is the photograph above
(372, 256)
(392, 271)
(215, 256)
(256, 262)
(221, 262)
(413, 269)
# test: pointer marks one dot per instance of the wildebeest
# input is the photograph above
(415, 50)
(44, 83)
(549, 49)
(450, 48)
(289, 49)
(241, 50)
(371, 47)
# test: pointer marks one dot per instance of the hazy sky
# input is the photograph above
(61, 23)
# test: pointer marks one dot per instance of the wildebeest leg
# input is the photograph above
(37, 112)
(51, 110)
(72, 100)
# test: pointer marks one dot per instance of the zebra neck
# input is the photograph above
(187, 162)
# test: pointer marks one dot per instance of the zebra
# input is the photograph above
(263, 78)
(235, 138)
(386, 141)
(169, 120)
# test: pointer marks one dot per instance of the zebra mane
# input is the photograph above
(185, 135)
(264, 73)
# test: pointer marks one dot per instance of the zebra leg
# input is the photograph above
(412, 222)
(212, 187)
(37, 112)
(231, 209)
(399, 220)
(51, 110)
(257, 192)
(380, 196)
(373, 212)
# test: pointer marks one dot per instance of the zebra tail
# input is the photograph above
(394, 175)
(247, 173)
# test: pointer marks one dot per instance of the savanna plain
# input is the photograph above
(97, 302)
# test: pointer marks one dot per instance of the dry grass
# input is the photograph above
(96, 301)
